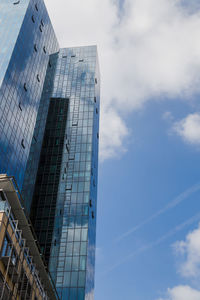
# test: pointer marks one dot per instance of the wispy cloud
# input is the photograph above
(167, 116)
(161, 239)
(183, 196)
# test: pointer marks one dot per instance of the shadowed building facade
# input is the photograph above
(23, 274)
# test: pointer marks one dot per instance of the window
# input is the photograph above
(40, 27)
(95, 99)
(38, 78)
(6, 249)
(96, 80)
(83, 249)
(67, 148)
(36, 7)
(80, 60)
(96, 110)
(81, 282)
(2, 196)
(74, 281)
(74, 123)
(22, 144)
(90, 203)
(92, 215)
(82, 263)
(69, 186)
(25, 87)
(84, 235)
(6, 293)
(33, 18)
(49, 64)
(35, 48)
(97, 135)
(73, 55)
(14, 258)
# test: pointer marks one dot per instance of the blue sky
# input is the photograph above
(148, 232)
(156, 169)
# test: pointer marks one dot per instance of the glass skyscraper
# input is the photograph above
(49, 126)
(63, 209)
(26, 38)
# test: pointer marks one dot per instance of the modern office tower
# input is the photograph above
(23, 274)
(63, 209)
(49, 122)
(26, 38)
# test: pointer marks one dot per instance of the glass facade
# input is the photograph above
(27, 38)
(11, 18)
(46, 187)
(49, 123)
(64, 199)
(36, 145)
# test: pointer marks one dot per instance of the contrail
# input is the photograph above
(156, 242)
(169, 206)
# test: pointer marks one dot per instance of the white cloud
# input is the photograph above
(188, 255)
(113, 131)
(182, 293)
(150, 50)
(189, 128)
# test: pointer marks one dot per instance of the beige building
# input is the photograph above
(23, 274)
